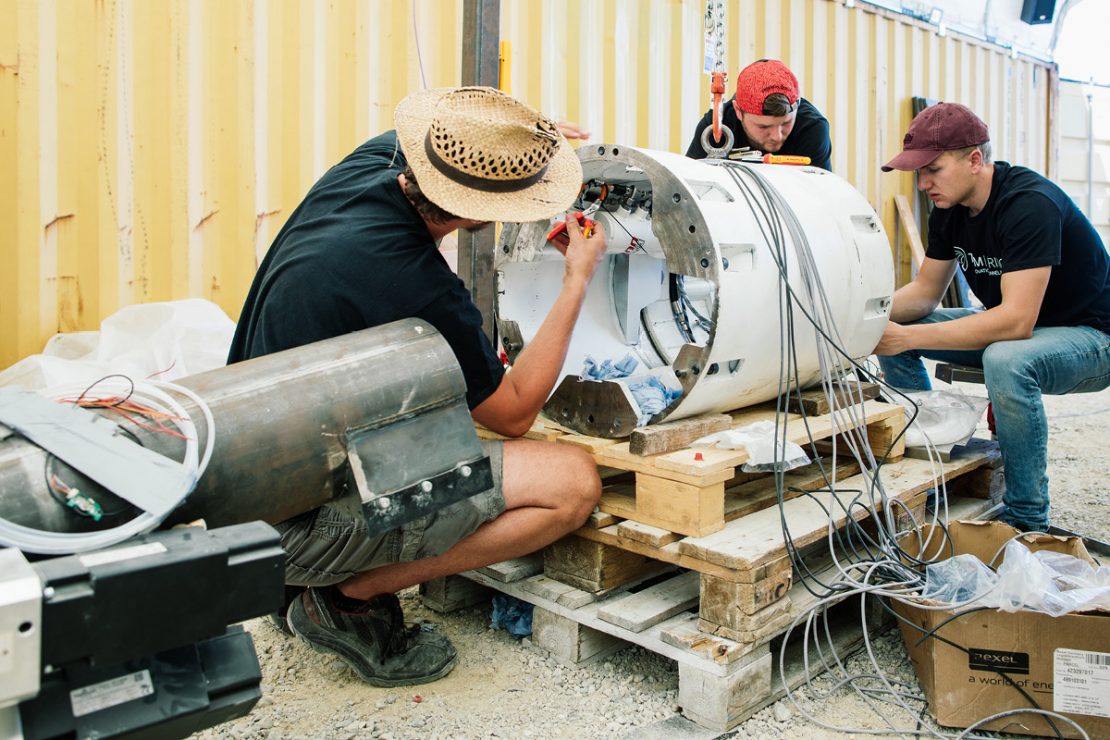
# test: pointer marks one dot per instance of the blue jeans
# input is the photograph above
(1055, 360)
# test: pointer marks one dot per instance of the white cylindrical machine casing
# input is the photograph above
(715, 232)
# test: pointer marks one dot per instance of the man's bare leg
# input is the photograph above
(549, 491)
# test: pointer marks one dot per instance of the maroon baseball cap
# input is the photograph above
(760, 79)
(938, 129)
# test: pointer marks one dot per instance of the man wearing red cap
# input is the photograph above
(768, 114)
(1042, 274)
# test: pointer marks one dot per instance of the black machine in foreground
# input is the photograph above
(133, 640)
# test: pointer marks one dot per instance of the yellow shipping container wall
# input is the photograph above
(151, 151)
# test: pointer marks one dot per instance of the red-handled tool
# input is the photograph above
(586, 224)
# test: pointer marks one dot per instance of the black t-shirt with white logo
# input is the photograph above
(808, 138)
(355, 254)
(1028, 222)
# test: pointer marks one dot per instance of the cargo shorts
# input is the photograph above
(330, 544)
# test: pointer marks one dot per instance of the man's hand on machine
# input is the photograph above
(583, 252)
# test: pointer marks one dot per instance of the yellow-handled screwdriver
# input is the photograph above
(795, 159)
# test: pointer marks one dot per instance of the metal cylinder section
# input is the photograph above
(691, 283)
(282, 425)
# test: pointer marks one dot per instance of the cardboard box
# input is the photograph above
(1061, 663)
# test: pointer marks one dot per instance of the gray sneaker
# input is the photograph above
(375, 643)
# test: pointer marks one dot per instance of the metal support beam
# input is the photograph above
(480, 66)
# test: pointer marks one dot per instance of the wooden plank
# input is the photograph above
(587, 616)
(908, 226)
(686, 636)
(744, 499)
(798, 430)
(599, 519)
(754, 631)
(654, 604)
(618, 456)
(558, 592)
(815, 402)
(590, 444)
(680, 507)
(758, 538)
(513, 570)
(672, 554)
(673, 435)
(646, 533)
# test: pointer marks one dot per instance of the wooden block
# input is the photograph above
(814, 402)
(643, 609)
(987, 483)
(451, 593)
(722, 702)
(912, 514)
(649, 535)
(679, 507)
(720, 598)
(515, 569)
(742, 623)
(886, 438)
(569, 642)
(592, 566)
(674, 435)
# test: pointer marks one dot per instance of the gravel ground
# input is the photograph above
(501, 688)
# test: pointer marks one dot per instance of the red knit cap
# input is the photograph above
(760, 79)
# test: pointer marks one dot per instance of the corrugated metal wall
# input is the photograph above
(151, 150)
(1085, 150)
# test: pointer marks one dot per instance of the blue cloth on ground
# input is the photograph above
(652, 396)
(512, 614)
(607, 370)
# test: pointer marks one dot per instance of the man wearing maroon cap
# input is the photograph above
(768, 114)
(1042, 274)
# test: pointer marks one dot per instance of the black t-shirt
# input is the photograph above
(1028, 222)
(808, 138)
(356, 254)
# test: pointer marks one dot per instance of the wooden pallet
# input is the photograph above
(722, 681)
(719, 604)
(683, 491)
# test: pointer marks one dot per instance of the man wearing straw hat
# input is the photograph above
(360, 251)
(1042, 273)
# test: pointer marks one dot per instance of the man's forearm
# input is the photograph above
(911, 303)
(539, 365)
(976, 331)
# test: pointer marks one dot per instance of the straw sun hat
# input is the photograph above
(483, 155)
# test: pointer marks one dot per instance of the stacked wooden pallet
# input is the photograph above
(687, 555)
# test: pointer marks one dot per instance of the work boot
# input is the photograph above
(373, 641)
(277, 619)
